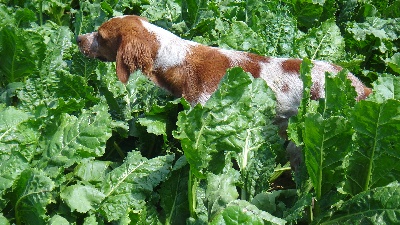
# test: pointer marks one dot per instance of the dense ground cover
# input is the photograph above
(79, 147)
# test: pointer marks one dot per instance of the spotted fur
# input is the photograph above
(192, 70)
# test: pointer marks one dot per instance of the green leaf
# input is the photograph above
(384, 29)
(328, 133)
(18, 143)
(174, 197)
(340, 95)
(20, 51)
(237, 118)
(90, 220)
(280, 30)
(385, 88)
(239, 36)
(32, 192)
(394, 62)
(58, 220)
(128, 186)
(92, 171)
(12, 130)
(163, 12)
(57, 47)
(296, 123)
(221, 190)
(82, 198)
(374, 161)
(160, 118)
(323, 43)
(308, 12)
(242, 212)
(79, 137)
(377, 206)
(3, 220)
(146, 215)
(191, 10)
(326, 142)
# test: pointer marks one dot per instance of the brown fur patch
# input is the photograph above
(207, 66)
(315, 90)
(367, 92)
(252, 66)
(337, 68)
(291, 65)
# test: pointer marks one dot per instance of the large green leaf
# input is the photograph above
(221, 191)
(242, 212)
(92, 170)
(326, 142)
(374, 163)
(174, 197)
(129, 185)
(21, 52)
(384, 29)
(386, 88)
(324, 42)
(237, 118)
(280, 30)
(18, 142)
(377, 206)
(327, 134)
(394, 62)
(80, 137)
(240, 36)
(31, 194)
(82, 198)
(191, 11)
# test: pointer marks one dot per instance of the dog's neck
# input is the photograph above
(172, 51)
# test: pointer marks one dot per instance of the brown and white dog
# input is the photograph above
(192, 70)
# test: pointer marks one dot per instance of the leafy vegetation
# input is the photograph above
(79, 147)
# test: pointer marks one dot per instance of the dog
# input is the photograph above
(193, 71)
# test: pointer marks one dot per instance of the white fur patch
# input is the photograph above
(235, 57)
(288, 87)
(203, 98)
(173, 50)
(318, 75)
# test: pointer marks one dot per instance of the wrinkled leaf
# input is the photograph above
(31, 194)
(237, 118)
(322, 43)
(174, 197)
(376, 206)
(82, 198)
(21, 51)
(374, 163)
(242, 212)
(221, 190)
(18, 142)
(89, 170)
(394, 62)
(128, 186)
(79, 137)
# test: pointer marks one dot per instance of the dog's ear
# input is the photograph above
(132, 55)
(123, 70)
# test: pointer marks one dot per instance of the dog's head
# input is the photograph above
(124, 40)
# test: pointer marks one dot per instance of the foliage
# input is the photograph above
(79, 147)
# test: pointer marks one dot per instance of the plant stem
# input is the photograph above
(192, 187)
(41, 13)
